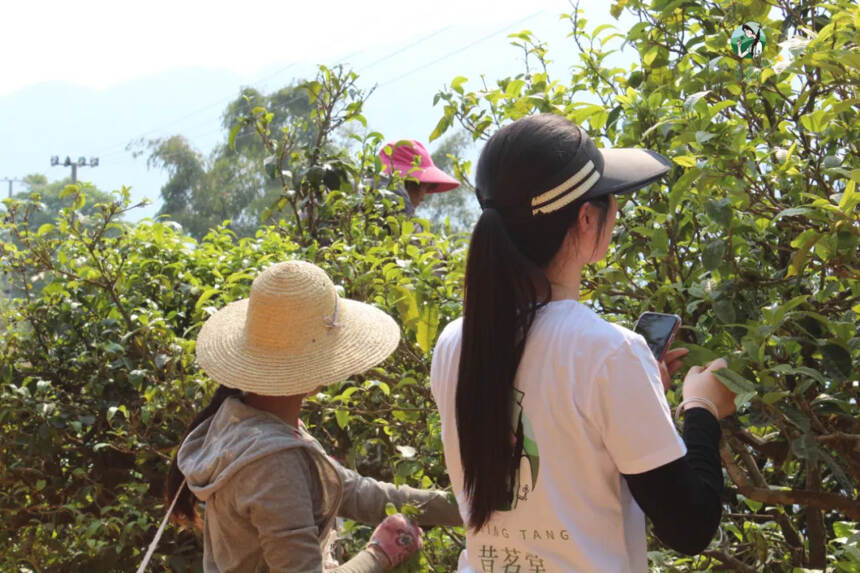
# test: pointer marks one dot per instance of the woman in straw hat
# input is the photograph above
(271, 492)
(554, 423)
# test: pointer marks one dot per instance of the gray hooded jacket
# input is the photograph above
(272, 494)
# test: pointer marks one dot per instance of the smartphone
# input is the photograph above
(659, 330)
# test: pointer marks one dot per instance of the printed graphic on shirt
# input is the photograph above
(509, 560)
(526, 452)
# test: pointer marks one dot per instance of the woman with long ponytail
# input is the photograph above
(544, 405)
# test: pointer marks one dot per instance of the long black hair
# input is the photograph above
(185, 511)
(505, 287)
(756, 39)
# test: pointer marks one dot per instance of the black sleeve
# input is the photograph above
(682, 498)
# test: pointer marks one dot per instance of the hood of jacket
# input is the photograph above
(224, 443)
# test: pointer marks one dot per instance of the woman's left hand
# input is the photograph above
(670, 364)
(394, 540)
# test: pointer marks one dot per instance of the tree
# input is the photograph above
(50, 202)
(97, 372)
(753, 241)
(202, 192)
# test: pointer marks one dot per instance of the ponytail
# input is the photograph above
(502, 294)
(185, 511)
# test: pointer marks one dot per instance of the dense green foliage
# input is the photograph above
(99, 381)
(753, 241)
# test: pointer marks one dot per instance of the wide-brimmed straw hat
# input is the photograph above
(293, 334)
(400, 156)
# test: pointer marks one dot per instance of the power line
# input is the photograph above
(407, 48)
(121, 147)
(459, 50)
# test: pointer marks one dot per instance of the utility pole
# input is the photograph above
(11, 181)
(81, 162)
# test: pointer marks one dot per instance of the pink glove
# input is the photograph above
(394, 540)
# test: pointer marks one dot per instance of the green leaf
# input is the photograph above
(650, 55)
(342, 416)
(773, 397)
(427, 326)
(799, 258)
(685, 160)
(720, 211)
(721, 105)
(45, 229)
(207, 294)
(806, 447)
(724, 310)
(514, 88)
(114, 348)
(69, 190)
(836, 361)
(844, 528)
(799, 370)
(837, 471)
(697, 355)
(602, 27)
(441, 127)
(744, 389)
(850, 197)
(234, 131)
(753, 504)
(713, 254)
(704, 136)
(817, 121)
(407, 305)
(793, 212)
(457, 84)
(693, 99)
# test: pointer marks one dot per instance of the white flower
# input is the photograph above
(781, 154)
(797, 44)
(782, 64)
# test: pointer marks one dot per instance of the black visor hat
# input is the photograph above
(592, 173)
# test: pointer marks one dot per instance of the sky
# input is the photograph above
(98, 76)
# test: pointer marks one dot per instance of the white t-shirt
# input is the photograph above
(590, 406)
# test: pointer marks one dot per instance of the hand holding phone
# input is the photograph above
(659, 330)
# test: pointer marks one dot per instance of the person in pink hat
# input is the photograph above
(411, 161)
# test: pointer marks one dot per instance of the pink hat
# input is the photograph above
(402, 160)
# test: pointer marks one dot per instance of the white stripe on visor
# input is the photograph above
(564, 194)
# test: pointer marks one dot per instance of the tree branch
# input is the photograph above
(729, 560)
(818, 500)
